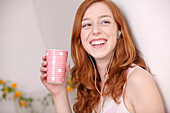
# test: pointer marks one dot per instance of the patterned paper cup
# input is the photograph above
(56, 60)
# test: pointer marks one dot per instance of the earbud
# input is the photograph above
(119, 33)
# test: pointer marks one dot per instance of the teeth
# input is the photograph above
(99, 42)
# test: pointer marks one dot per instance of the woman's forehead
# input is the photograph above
(97, 9)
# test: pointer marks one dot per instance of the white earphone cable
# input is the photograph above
(105, 78)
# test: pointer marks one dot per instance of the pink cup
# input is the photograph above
(56, 60)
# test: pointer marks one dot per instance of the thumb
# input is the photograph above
(67, 69)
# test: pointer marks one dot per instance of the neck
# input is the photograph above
(102, 66)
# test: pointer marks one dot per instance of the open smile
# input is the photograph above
(98, 43)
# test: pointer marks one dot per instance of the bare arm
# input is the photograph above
(143, 93)
(62, 103)
(59, 91)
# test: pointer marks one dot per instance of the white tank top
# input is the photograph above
(110, 106)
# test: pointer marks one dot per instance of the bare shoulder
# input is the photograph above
(140, 78)
(143, 92)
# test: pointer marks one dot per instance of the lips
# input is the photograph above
(98, 42)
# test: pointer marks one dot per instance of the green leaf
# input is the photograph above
(3, 89)
(13, 90)
(22, 98)
(4, 96)
(30, 99)
(9, 89)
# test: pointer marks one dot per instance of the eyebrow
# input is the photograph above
(99, 17)
(105, 16)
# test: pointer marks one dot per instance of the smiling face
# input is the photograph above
(99, 31)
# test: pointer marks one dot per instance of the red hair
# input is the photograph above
(83, 72)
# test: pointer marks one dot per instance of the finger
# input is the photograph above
(43, 77)
(44, 64)
(43, 69)
(44, 58)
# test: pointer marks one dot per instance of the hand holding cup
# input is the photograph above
(54, 76)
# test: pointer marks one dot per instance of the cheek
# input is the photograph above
(111, 32)
(83, 38)
(84, 35)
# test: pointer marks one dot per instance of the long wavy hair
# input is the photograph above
(82, 73)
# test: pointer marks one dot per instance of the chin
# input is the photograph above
(98, 56)
(102, 55)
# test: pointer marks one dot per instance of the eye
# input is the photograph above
(105, 22)
(86, 25)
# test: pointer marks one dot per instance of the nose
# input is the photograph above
(96, 29)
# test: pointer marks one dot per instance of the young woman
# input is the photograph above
(109, 72)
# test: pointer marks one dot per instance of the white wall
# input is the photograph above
(21, 48)
(28, 27)
(150, 25)
(21, 43)
(25, 34)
